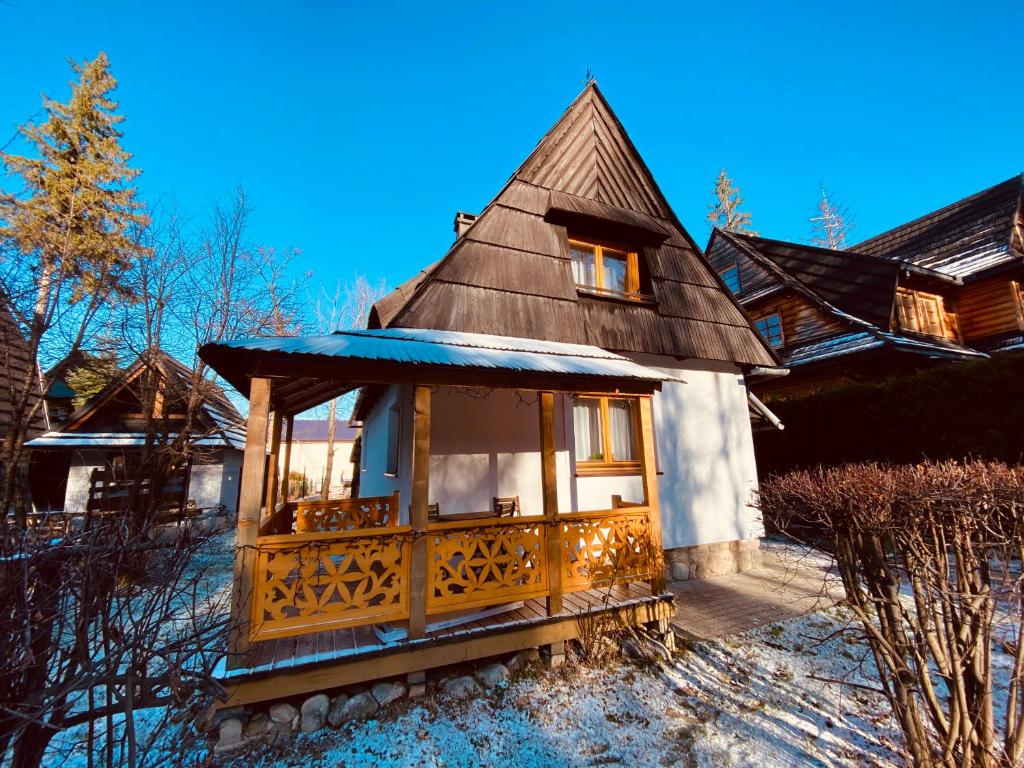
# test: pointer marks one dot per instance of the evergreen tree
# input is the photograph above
(92, 376)
(69, 227)
(725, 213)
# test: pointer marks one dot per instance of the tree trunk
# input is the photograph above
(325, 491)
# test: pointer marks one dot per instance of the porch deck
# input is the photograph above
(335, 658)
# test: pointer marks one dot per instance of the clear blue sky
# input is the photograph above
(358, 131)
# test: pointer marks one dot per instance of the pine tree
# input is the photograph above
(831, 224)
(725, 214)
(92, 376)
(70, 225)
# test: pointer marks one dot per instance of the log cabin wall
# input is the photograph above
(801, 320)
(989, 307)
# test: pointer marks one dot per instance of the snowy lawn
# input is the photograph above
(746, 700)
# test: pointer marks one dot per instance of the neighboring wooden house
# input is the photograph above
(309, 456)
(944, 287)
(97, 444)
(545, 410)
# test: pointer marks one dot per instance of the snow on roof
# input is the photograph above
(417, 346)
(124, 439)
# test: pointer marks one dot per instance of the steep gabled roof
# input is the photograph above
(964, 238)
(224, 426)
(510, 273)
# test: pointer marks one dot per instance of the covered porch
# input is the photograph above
(335, 592)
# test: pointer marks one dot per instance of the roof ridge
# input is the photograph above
(1019, 178)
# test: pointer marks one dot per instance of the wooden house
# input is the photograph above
(95, 447)
(944, 287)
(546, 412)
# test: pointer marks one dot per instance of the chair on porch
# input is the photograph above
(506, 506)
(433, 512)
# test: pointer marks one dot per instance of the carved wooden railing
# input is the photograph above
(316, 581)
(603, 548)
(347, 514)
(359, 572)
(474, 564)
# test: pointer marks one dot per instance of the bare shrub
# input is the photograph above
(930, 557)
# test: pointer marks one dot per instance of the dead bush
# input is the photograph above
(930, 557)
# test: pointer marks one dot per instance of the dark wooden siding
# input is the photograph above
(15, 366)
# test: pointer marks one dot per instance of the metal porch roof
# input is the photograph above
(417, 350)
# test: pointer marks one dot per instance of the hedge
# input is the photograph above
(951, 411)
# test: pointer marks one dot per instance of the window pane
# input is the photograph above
(771, 328)
(586, 416)
(394, 439)
(621, 423)
(614, 263)
(584, 269)
(731, 278)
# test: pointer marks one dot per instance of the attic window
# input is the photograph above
(731, 277)
(605, 269)
(770, 327)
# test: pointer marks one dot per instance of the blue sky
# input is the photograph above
(359, 130)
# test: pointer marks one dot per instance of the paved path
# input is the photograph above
(789, 584)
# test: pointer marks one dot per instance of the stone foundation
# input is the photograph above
(706, 560)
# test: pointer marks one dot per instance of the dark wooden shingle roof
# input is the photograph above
(510, 273)
(864, 286)
(964, 238)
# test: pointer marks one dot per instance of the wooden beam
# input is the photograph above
(549, 490)
(418, 512)
(289, 426)
(649, 473)
(275, 451)
(249, 502)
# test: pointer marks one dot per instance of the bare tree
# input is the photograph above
(831, 223)
(930, 560)
(348, 306)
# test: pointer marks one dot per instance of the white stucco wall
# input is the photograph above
(705, 454)
(487, 443)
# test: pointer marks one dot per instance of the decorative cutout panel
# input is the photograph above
(326, 584)
(481, 565)
(606, 548)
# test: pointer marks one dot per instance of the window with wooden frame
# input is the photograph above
(921, 313)
(731, 277)
(605, 269)
(770, 327)
(605, 430)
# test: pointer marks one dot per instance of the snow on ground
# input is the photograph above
(746, 700)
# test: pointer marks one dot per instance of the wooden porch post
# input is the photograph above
(649, 473)
(249, 500)
(285, 487)
(418, 512)
(275, 452)
(549, 484)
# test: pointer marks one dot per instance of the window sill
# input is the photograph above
(607, 470)
(626, 298)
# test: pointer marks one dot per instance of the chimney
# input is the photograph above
(463, 221)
